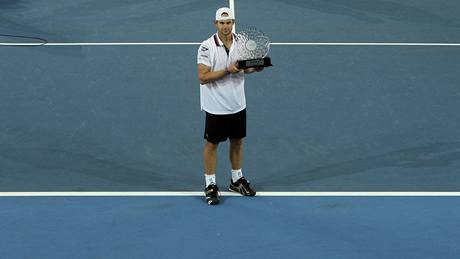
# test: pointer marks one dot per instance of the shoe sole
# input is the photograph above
(237, 191)
(211, 201)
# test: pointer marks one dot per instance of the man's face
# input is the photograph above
(224, 27)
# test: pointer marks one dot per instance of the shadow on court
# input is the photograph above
(429, 156)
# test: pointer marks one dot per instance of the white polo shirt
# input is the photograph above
(226, 95)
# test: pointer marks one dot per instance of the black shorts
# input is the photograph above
(222, 127)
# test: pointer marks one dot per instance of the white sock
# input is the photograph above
(210, 179)
(236, 174)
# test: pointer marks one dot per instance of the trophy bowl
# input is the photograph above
(253, 46)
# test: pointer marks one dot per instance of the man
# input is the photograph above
(223, 99)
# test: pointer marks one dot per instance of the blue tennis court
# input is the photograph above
(263, 227)
(363, 97)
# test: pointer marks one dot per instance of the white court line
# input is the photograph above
(364, 44)
(198, 43)
(269, 194)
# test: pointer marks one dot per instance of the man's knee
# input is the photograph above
(211, 147)
(236, 142)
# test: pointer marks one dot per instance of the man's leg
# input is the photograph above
(210, 158)
(238, 183)
(210, 162)
(236, 153)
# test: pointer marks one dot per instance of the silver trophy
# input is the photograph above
(253, 46)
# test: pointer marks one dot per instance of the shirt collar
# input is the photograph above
(219, 42)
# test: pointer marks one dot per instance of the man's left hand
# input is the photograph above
(253, 69)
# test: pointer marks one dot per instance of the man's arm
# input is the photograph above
(205, 75)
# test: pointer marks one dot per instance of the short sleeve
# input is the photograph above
(204, 54)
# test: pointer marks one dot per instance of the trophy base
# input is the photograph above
(257, 62)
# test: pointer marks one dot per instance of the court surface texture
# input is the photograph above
(353, 135)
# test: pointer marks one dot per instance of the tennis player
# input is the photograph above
(223, 99)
